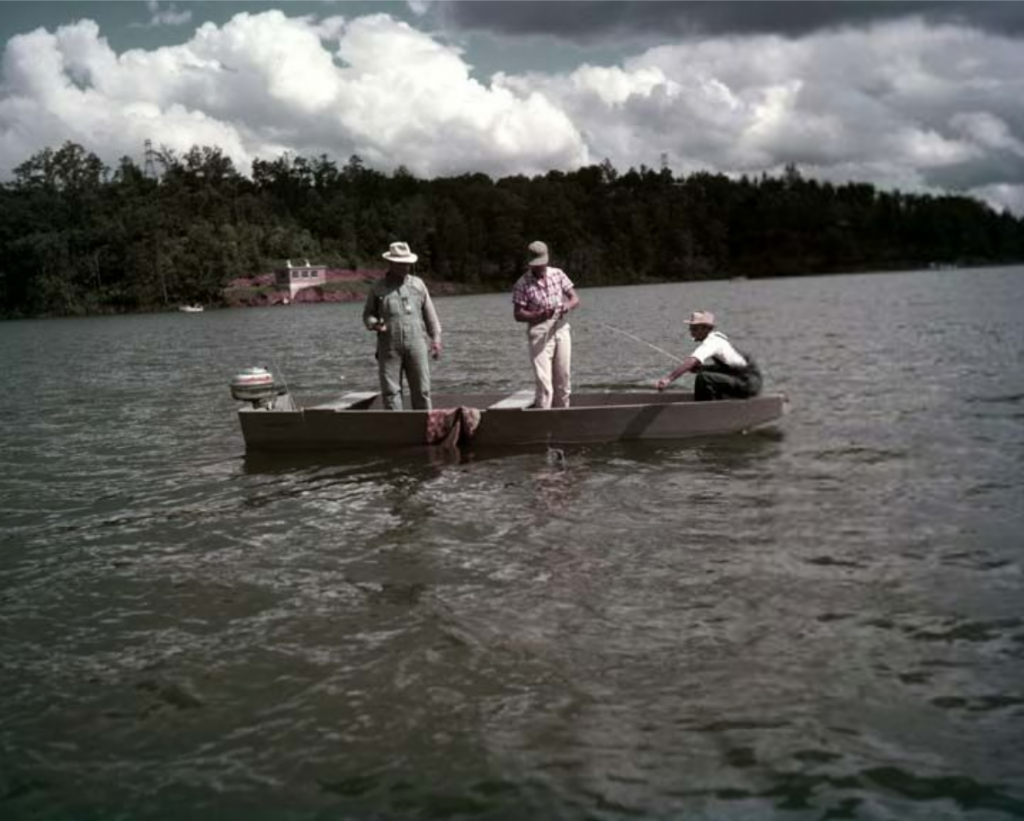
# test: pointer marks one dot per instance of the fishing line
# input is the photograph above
(637, 339)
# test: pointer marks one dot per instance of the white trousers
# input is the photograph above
(551, 354)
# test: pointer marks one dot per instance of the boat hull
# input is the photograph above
(593, 418)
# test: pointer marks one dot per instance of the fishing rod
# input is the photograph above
(637, 339)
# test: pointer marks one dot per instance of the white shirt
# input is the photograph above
(716, 345)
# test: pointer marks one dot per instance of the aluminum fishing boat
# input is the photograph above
(274, 421)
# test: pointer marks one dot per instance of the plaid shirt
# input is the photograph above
(535, 294)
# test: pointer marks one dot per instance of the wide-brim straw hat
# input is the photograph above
(399, 252)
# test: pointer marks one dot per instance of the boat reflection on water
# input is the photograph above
(734, 451)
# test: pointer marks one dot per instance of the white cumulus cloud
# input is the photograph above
(902, 104)
(169, 16)
(265, 83)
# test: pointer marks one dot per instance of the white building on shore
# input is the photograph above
(297, 277)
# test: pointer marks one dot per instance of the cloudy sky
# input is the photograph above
(917, 96)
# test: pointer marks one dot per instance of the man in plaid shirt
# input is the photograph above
(542, 298)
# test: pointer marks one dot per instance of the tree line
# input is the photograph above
(78, 237)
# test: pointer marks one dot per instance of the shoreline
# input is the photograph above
(342, 285)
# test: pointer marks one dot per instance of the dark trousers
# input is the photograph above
(717, 381)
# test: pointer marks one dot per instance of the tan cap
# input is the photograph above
(538, 253)
(701, 318)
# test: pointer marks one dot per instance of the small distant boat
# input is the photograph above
(274, 421)
(191, 309)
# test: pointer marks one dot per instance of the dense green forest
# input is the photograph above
(78, 237)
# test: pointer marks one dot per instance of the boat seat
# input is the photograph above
(515, 401)
(348, 401)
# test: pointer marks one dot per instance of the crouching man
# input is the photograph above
(722, 372)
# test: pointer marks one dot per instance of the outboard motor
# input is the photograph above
(256, 385)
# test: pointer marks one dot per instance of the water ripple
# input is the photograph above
(819, 621)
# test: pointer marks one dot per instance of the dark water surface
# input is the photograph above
(823, 621)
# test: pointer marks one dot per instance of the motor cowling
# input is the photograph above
(254, 385)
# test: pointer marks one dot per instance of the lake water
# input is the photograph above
(820, 621)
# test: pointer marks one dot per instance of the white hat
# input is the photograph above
(538, 253)
(399, 252)
(701, 318)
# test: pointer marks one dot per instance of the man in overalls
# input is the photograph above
(399, 310)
